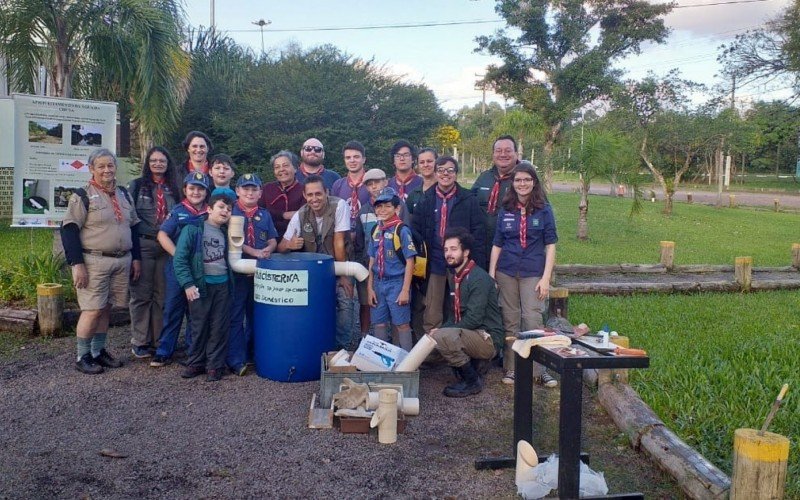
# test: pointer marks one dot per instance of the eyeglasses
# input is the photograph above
(523, 180)
(402, 155)
(450, 170)
(316, 149)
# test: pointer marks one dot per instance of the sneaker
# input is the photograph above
(214, 376)
(88, 365)
(242, 371)
(158, 361)
(105, 360)
(192, 371)
(142, 351)
(547, 380)
(508, 378)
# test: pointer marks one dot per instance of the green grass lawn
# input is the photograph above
(717, 363)
(17, 242)
(702, 234)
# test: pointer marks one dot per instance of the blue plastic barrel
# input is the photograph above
(294, 315)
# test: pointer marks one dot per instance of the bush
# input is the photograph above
(18, 280)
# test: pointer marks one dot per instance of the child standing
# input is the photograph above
(389, 282)
(259, 243)
(202, 270)
(222, 171)
(190, 211)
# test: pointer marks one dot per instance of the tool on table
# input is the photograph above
(774, 409)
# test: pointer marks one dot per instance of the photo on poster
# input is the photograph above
(87, 135)
(45, 131)
(35, 193)
(61, 195)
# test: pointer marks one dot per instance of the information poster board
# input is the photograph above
(6, 133)
(52, 141)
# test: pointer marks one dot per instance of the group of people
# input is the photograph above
(490, 253)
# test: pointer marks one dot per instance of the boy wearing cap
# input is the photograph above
(389, 282)
(260, 240)
(190, 211)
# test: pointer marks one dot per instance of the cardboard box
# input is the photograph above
(375, 355)
(326, 366)
(360, 425)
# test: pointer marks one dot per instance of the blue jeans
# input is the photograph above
(175, 308)
(346, 314)
(240, 340)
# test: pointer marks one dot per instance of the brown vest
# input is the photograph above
(318, 241)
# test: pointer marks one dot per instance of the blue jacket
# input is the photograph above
(514, 260)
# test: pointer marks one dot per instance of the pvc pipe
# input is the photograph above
(526, 461)
(417, 355)
(385, 418)
(409, 406)
(248, 266)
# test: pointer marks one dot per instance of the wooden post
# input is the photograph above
(777, 204)
(759, 465)
(50, 302)
(743, 271)
(689, 198)
(559, 303)
(796, 255)
(732, 200)
(668, 254)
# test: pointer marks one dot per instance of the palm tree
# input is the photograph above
(126, 51)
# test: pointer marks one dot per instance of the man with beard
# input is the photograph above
(473, 333)
(312, 154)
(492, 184)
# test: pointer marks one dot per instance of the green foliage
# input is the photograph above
(18, 280)
(717, 363)
(702, 234)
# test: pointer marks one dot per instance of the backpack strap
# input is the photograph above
(84, 197)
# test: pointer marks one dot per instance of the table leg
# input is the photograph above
(523, 401)
(569, 433)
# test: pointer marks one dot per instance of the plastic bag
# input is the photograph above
(540, 480)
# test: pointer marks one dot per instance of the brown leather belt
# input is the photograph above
(117, 255)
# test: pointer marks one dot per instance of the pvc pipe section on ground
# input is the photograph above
(248, 266)
(417, 355)
(526, 461)
(409, 406)
(385, 418)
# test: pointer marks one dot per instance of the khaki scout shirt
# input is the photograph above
(99, 227)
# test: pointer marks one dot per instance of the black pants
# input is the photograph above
(211, 324)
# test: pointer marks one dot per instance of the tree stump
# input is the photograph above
(777, 203)
(689, 198)
(759, 465)
(732, 200)
(559, 303)
(743, 271)
(668, 254)
(796, 255)
(50, 302)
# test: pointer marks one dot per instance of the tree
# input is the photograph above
(477, 133)
(774, 136)
(129, 51)
(446, 137)
(563, 58)
(526, 128)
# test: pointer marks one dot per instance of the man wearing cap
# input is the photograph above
(312, 154)
(259, 243)
(375, 181)
(322, 225)
(490, 187)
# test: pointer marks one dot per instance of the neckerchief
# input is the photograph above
(284, 194)
(190, 167)
(193, 210)
(249, 213)
(161, 201)
(401, 186)
(457, 279)
(112, 193)
(306, 173)
(491, 208)
(445, 197)
(384, 226)
(355, 205)
(523, 225)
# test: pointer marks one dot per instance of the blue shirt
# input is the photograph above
(328, 178)
(541, 231)
(178, 218)
(341, 189)
(393, 268)
(264, 228)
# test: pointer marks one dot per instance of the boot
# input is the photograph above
(470, 383)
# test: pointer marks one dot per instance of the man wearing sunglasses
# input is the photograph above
(312, 154)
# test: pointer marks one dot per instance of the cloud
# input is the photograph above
(722, 21)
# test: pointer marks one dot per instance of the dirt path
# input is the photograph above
(247, 437)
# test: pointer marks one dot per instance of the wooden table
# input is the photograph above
(570, 408)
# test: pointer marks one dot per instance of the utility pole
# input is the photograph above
(213, 22)
(261, 23)
(733, 93)
(482, 86)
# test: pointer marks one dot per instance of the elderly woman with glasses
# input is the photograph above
(153, 194)
(101, 244)
(522, 259)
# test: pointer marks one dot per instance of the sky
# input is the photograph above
(443, 57)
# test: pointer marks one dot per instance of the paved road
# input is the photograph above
(786, 200)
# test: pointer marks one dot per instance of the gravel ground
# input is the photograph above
(247, 437)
